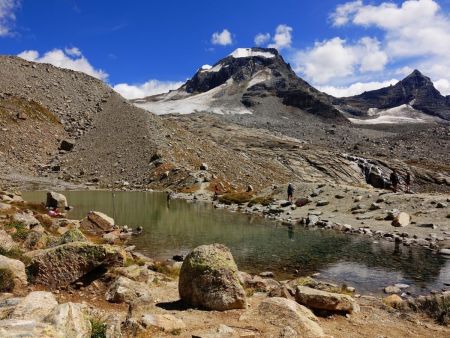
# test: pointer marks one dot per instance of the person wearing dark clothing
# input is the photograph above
(408, 181)
(394, 180)
(290, 192)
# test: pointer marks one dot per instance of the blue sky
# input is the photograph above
(341, 47)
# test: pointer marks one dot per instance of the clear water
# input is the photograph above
(258, 245)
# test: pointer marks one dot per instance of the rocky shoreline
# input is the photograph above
(77, 278)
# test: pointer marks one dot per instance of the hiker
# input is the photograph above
(408, 181)
(290, 192)
(54, 212)
(394, 180)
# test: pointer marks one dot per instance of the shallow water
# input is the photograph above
(258, 245)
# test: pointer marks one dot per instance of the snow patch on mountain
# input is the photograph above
(401, 114)
(203, 102)
(249, 52)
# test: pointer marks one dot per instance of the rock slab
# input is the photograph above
(323, 300)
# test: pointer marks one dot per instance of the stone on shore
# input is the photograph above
(62, 265)
(37, 305)
(323, 300)
(56, 200)
(12, 274)
(6, 241)
(163, 322)
(70, 321)
(72, 235)
(284, 312)
(401, 220)
(209, 279)
(392, 289)
(26, 219)
(26, 328)
(97, 223)
(126, 290)
(394, 301)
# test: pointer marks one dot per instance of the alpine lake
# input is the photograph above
(176, 227)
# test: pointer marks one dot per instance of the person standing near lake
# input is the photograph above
(408, 181)
(290, 192)
(394, 180)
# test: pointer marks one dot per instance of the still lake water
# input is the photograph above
(259, 245)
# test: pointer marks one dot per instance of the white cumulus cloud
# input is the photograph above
(336, 59)
(355, 88)
(7, 16)
(282, 38)
(443, 85)
(151, 87)
(223, 38)
(70, 58)
(261, 39)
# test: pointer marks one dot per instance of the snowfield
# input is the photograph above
(203, 102)
(401, 114)
(248, 52)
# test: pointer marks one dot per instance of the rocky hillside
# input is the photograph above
(239, 84)
(416, 91)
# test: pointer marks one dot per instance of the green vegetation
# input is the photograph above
(166, 269)
(98, 329)
(437, 307)
(235, 198)
(20, 233)
(14, 253)
(263, 200)
(6, 280)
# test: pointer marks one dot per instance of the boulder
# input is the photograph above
(67, 145)
(6, 242)
(97, 223)
(72, 235)
(394, 301)
(26, 219)
(401, 220)
(209, 279)
(8, 305)
(257, 282)
(36, 240)
(284, 312)
(12, 270)
(125, 290)
(323, 300)
(37, 305)
(163, 322)
(64, 264)
(56, 200)
(392, 289)
(70, 321)
(26, 328)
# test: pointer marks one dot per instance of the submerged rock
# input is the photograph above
(323, 300)
(64, 264)
(209, 279)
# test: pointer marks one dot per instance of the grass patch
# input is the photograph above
(6, 280)
(166, 269)
(436, 307)
(19, 231)
(236, 198)
(14, 253)
(263, 200)
(98, 329)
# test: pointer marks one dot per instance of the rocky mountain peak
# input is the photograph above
(417, 80)
(241, 65)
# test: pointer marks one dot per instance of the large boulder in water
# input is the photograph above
(56, 200)
(97, 223)
(209, 279)
(65, 264)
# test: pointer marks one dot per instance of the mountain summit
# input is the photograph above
(415, 91)
(247, 81)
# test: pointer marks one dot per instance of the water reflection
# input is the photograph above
(175, 227)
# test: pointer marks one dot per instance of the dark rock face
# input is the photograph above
(281, 81)
(416, 90)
